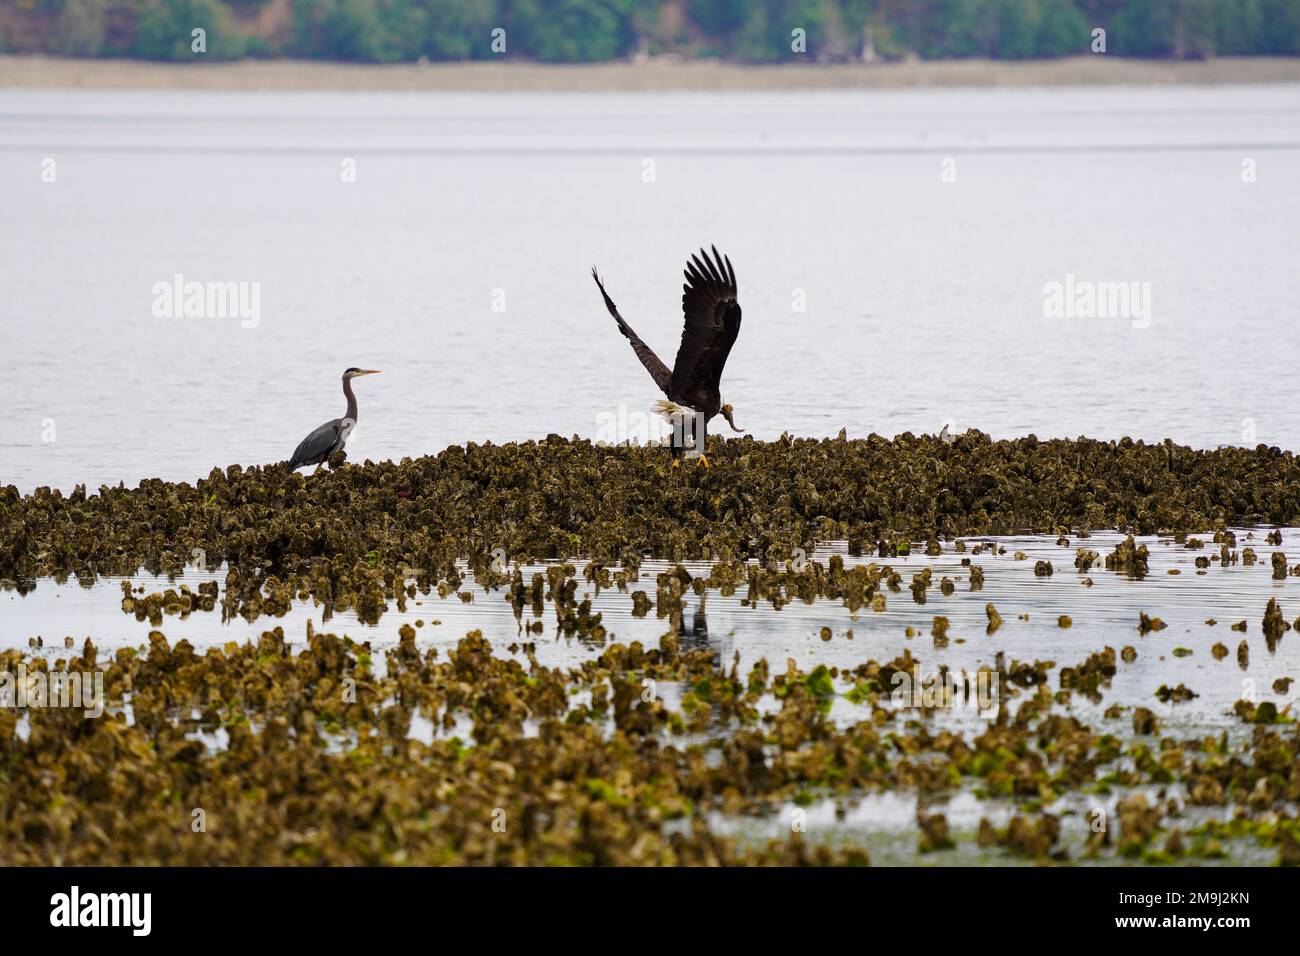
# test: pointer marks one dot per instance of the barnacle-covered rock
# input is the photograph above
(1147, 624)
(1129, 558)
(563, 498)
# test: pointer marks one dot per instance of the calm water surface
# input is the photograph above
(1104, 614)
(458, 263)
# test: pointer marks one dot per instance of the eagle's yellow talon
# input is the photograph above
(704, 460)
(677, 463)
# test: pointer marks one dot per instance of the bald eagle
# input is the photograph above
(692, 387)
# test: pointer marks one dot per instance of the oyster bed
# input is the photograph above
(496, 655)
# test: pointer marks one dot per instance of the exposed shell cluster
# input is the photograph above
(561, 498)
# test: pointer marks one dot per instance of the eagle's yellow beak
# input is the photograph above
(727, 413)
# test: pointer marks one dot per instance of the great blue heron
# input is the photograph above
(693, 386)
(333, 435)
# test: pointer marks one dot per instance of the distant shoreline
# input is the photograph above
(41, 72)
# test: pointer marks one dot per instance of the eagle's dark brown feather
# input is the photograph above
(712, 323)
(657, 369)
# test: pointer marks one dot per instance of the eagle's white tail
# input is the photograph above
(669, 410)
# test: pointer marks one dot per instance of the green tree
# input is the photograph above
(459, 29)
(571, 30)
(353, 31)
(586, 30)
(1236, 26)
(754, 43)
(1164, 28)
(1064, 30)
(1279, 33)
(971, 29)
(720, 18)
(1019, 22)
(337, 29)
(164, 30)
(79, 30)
(822, 21)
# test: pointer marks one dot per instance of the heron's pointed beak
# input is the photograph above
(366, 371)
(727, 413)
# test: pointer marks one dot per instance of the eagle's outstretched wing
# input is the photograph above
(657, 369)
(712, 324)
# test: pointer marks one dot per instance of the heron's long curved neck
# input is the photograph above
(352, 400)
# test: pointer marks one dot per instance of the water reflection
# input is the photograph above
(1198, 605)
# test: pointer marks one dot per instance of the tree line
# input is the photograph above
(756, 31)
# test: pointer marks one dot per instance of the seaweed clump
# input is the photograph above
(1129, 558)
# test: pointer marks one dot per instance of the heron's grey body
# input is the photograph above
(323, 442)
(333, 435)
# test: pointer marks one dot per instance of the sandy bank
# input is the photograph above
(659, 75)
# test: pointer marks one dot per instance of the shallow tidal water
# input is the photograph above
(1104, 614)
